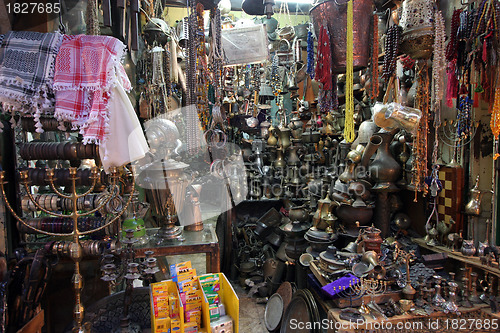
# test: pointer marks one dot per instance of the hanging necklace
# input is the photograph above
(349, 134)
(374, 84)
(92, 18)
(193, 135)
(310, 54)
(438, 67)
(392, 42)
(422, 102)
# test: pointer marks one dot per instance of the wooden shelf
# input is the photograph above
(473, 261)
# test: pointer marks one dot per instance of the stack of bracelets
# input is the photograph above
(54, 203)
(62, 225)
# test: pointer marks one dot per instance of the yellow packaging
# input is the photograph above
(162, 325)
(175, 269)
(188, 285)
(185, 276)
(158, 289)
(174, 306)
(227, 297)
(175, 325)
(171, 305)
(191, 327)
(193, 315)
(193, 300)
(160, 305)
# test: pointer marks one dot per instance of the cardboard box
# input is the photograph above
(227, 297)
(162, 325)
(165, 303)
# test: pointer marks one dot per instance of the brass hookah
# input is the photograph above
(75, 247)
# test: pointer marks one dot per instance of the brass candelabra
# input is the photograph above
(75, 247)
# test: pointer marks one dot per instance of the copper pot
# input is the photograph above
(334, 13)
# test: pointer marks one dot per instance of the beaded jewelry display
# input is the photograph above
(464, 118)
(310, 55)
(276, 82)
(392, 41)
(438, 67)
(202, 78)
(92, 18)
(422, 102)
(495, 115)
(451, 48)
(193, 136)
(374, 92)
(349, 134)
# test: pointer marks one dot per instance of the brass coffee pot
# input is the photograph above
(473, 207)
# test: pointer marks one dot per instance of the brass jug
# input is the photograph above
(279, 162)
(284, 138)
(272, 141)
(473, 207)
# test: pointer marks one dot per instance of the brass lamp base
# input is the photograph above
(168, 232)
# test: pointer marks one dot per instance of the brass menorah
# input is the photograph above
(75, 248)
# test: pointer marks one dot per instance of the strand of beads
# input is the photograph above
(392, 42)
(310, 54)
(349, 134)
(92, 18)
(422, 102)
(451, 48)
(495, 115)
(192, 121)
(464, 118)
(374, 84)
(438, 67)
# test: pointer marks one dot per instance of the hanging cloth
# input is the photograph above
(324, 60)
(27, 71)
(126, 141)
(87, 67)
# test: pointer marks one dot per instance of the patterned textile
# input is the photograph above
(27, 71)
(86, 69)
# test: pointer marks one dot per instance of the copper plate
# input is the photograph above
(274, 312)
(297, 310)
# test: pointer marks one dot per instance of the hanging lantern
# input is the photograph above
(417, 21)
(334, 13)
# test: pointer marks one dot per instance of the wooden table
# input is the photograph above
(473, 261)
(204, 241)
(435, 322)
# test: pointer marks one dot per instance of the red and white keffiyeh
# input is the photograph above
(86, 69)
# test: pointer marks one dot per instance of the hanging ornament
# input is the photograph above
(374, 79)
(310, 54)
(417, 21)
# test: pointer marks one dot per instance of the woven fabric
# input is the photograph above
(324, 60)
(86, 69)
(27, 72)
